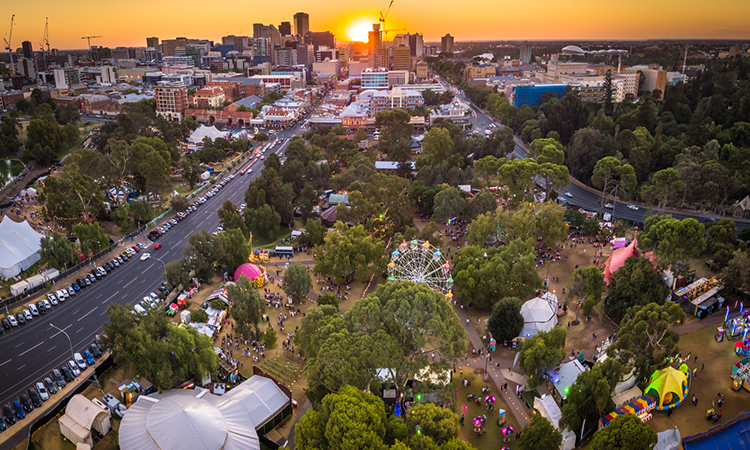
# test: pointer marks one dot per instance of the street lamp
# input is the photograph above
(165, 268)
(66, 335)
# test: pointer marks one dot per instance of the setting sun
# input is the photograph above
(358, 30)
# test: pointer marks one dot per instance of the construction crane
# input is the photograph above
(8, 46)
(89, 38)
(384, 16)
(385, 32)
(45, 38)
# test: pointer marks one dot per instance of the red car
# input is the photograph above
(136, 249)
(157, 246)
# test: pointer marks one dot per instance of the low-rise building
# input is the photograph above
(210, 97)
(456, 111)
(171, 100)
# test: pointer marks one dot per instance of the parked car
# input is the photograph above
(8, 412)
(21, 320)
(95, 350)
(33, 309)
(67, 373)
(50, 385)
(89, 357)
(75, 286)
(79, 361)
(36, 400)
(57, 375)
(27, 315)
(47, 304)
(26, 403)
(41, 308)
(42, 391)
(71, 291)
(6, 323)
(12, 320)
(19, 409)
(52, 299)
(74, 368)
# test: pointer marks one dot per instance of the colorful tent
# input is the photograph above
(637, 406)
(255, 273)
(618, 257)
(668, 387)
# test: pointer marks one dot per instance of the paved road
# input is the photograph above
(30, 352)
(583, 196)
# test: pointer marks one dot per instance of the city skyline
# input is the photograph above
(547, 21)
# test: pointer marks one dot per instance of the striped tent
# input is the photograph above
(637, 406)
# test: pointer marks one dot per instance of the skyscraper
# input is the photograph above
(416, 44)
(525, 56)
(402, 58)
(301, 24)
(285, 28)
(27, 51)
(446, 44)
(375, 45)
(152, 42)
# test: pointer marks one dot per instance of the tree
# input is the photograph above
(541, 352)
(720, 242)
(327, 298)
(57, 251)
(587, 147)
(609, 174)
(587, 283)
(626, 431)
(662, 186)
(158, 350)
(218, 304)
(449, 202)
(175, 274)
(247, 307)
(199, 316)
(506, 321)
(590, 395)
(383, 205)
(180, 203)
(481, 277)
(264, 221)
(438, 149)
(346, 420)
(636, 283)
(608, 105)
(204, 251)
(191, 171)
(91, 236)
(261, 137)
(349, 252)
(230, 217)
(142, 211)
(645, 337)
(314, 233)
(360, 135)
(70, 133)
(297, 282)
(411, 320)
(539, 434)
(735, 277)
(236, 249)
(441, 424)
(483, 202)
(674, 242)
(43, 133)
(518, 175)
(395, 136)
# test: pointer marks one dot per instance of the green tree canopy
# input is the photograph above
(248, 307)
(636, 283)
(58, 251)
(349, 252)
(297, 282)
(542, 352)
(674, 242)
(449, 202)
(646, 338)
(587, 283)
(590, 395)
(506, 321)
(626, 431)
(92, 236)
(236, 249)
(539, 434)
(441, 424)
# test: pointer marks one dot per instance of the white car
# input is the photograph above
(74, 368)
(608, 206)
(27, 315)
(80, 361)
(52, 299)
(42, 391)
(12, 319)
(145, 256)
(633, 207)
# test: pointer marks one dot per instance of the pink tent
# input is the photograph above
(251, 271)
(618, 257)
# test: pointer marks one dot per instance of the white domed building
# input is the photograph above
(573, 50)
(197, 419)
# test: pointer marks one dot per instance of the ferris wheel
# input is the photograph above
(420, 262)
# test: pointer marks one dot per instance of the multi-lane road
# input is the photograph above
(28, 353)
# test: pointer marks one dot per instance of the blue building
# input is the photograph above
(532, 94)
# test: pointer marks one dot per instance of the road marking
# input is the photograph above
(83, 316)
(76, 311)
(146, 269)
(79, 330)
(51, 349)
(6, 362)
(19, 345)
(32, 348)
(131, 282)
(103, 313)
(110, 297)
(21, 367)
(60, 332)
(98, 297)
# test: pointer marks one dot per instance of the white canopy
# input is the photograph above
(197, 419)
(203, 132)
(19, 247)
(538, 315)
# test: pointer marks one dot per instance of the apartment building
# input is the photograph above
(171, 100)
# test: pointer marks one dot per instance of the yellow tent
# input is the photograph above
(668, 387)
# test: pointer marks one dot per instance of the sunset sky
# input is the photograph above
(128, 23)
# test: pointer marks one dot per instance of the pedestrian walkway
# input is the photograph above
(519, 410)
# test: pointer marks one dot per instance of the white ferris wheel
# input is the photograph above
(420, 262)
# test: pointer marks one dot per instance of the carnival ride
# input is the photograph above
(741, 374)
(421, 262)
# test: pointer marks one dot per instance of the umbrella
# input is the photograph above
(739, 344)
(477, 422)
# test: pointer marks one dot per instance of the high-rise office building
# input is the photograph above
(27, 51)
(401, 58)
(301, 24)
(375, 45)
(416, 44)
(240, 42)
(446, 44)
(285, 28)
(152, 42)
(321, 39)
(269, 32)
(525, 56)
(169, 46)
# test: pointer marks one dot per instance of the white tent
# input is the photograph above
(538, 315)
(203, 132)
(19, 247)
